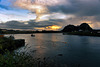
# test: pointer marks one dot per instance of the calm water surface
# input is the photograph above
(83, 50)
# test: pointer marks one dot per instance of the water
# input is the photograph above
(83, 50)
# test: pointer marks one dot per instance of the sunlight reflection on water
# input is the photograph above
(82, 50)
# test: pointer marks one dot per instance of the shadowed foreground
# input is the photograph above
(22, 60)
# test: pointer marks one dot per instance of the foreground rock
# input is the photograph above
(10, 44)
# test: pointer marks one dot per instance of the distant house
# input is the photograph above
(96, 31)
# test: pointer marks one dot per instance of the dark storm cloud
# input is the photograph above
(88, 7)
(13, 25)
(79, 7)
(83, 10)
(31, 24)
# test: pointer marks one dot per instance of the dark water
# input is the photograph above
(83, 50)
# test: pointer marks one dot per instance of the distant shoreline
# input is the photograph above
(32, 32)
(82, 33)
(66, 33)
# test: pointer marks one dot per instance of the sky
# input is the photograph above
(48, 14)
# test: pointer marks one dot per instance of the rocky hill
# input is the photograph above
(83, 27)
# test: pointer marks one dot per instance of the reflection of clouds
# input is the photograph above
(41, 49)
(80, 49)
(46, 43)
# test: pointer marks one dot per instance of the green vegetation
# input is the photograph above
(6, 43)
(8, 58)
(9, 44)
(13, 59)
(21, 60)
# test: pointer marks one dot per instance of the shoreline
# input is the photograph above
(82, 34)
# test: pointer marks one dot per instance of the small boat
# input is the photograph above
(32, 35)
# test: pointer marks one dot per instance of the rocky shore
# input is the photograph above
(10, 44)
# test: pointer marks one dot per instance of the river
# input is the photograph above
(83, 50)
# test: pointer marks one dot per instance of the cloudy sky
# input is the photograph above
(48, 14)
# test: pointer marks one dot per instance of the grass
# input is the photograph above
(8, 58)
(11, 59)
(9, 44)
(6, 43)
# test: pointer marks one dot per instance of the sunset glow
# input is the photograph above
(89, 22)
(32, 6)
(42, 13)
(53, 27)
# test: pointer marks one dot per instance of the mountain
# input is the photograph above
(83, 27)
